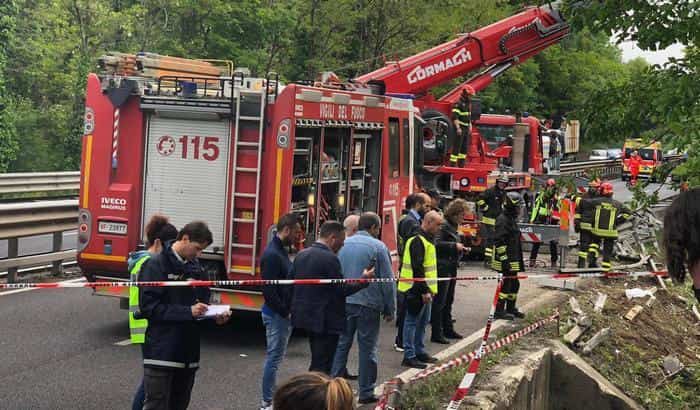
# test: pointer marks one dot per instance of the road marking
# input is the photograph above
(126, 342)
(11, 292)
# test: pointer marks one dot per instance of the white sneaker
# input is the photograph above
(398, 348)
(266, 406)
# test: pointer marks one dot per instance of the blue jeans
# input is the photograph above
(139, 398)
(277, 332)
(414, 331)
(365, 321)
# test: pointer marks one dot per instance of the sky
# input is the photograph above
(631, 51)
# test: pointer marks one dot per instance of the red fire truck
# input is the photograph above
(238, 151)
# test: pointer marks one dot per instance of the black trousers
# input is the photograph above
(167, 389)
(509, 292)
(400, 317)
(608, 249)
(441, 313)
(323, 348)
(553, 251)
(439, 303)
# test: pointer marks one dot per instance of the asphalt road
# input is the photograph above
(59, 351)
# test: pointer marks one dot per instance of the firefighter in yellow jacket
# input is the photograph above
(607, 214)
(508, 256)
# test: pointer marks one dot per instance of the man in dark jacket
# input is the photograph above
(320, 309)
(409, 226)
(276, 316)
(171, 349)
(490, 204)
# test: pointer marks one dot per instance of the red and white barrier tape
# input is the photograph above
(466, 358)
(115, 138)
(473, 368)
(262, 282)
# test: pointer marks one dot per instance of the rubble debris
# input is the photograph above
(695, 312)
(633, 312)
(672, 365)
(574, 334)
(600, 302)
(584, 321)
(651, 301)
(575, 306)
(596, 340)
(563, 284)
(640, 293)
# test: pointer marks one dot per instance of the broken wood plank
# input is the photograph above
(596, 340)
(651, 300)
(633, 312)
(575, 306)
(584, 321)
(574, 334)
(695, 312)
(600, 302)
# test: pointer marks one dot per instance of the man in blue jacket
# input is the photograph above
(365, 308)
(171, 349)
(320, 309)
(276, 312)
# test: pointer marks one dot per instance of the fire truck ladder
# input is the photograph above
(248, 97)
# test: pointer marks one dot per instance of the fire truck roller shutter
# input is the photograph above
(186, 172)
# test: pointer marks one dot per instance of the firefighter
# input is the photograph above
(461, 118)
(546, 211)
(490, 204)
(635, 163)
(606, 216)
(588, 248)
(508, 256)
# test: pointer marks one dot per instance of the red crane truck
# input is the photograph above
(238, 151)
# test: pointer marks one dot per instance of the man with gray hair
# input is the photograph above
(350, 224)
(365, 308)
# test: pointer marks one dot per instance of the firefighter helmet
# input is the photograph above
(606, 188)
(551, 182)
(502, 178)
(513, 200)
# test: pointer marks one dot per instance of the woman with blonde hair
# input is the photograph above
(314, 391)
(449, 252)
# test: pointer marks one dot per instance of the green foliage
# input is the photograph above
(47, 47)
(654, 102)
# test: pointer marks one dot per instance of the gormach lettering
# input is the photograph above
(419, 73)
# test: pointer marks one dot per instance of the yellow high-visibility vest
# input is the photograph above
(137, 327)
(429, 264)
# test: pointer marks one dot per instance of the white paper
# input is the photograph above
(215, 310)
(637, 293)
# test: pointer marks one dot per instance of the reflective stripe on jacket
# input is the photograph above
(137, 327)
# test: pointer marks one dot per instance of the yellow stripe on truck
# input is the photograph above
(86, 170)
(100, 257)
(278, 179)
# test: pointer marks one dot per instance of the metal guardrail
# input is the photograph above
(26, 182)
(605, 168)
(36, 218)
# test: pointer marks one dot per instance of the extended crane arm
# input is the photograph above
(497, 47)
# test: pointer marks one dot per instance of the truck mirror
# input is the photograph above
(475, 109)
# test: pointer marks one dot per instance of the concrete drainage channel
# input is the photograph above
(553, 377)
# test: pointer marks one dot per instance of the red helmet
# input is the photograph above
(551, 182)
(606, 188)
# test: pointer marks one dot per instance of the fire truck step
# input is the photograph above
(247, 144)
(244, 169)
(244, 220)
(248, 271)
(248, 118)
(242, 245)
(244, 195)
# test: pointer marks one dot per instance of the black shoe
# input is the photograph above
(368, 400)
(426, 358)
(516, 313)
(414, 363)
(503, 315)
(451, 334)
(440, 339)
(348, 376)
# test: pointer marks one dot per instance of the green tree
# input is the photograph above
(8, 135)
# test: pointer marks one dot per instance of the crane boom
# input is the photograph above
(494, 48)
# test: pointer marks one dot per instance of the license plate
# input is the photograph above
(112, 227)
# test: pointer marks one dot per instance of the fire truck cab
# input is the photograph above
(237, 153)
